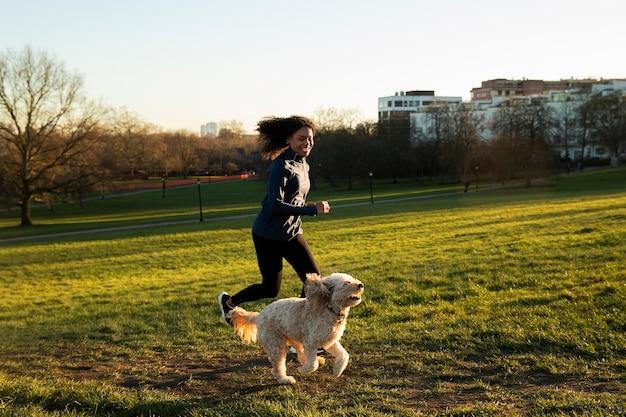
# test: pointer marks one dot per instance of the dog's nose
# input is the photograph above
(361, 286)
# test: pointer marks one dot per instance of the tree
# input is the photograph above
(231, 129)
(461, 145)
(333, 118)
(131, 135)
(607, 117)
(341, 141)
(438, 131)
(367, 149)
(47, 127)
(215, 154)
(585, 123)
(183, 146)
(394, 137)
(425, 159)
(449, 141)
(566, 128)
(523, 128)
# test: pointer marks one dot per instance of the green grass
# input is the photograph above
(180, 204)
(510, 302)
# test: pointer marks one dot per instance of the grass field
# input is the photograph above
(507, 302)
(180, 204)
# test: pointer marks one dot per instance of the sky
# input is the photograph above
(183, 63)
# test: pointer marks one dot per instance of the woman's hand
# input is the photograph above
(322, 207)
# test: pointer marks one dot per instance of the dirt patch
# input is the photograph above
(185, 375)
(190, 374)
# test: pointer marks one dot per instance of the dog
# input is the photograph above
(307, 324)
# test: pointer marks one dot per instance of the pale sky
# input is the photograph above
(183, 63)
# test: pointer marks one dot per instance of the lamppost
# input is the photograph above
(200, 200)
(476, 169)
(163, 186)
(371, 187)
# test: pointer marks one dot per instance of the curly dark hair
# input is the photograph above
(274, 132)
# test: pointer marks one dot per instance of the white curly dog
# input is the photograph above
(307, 324)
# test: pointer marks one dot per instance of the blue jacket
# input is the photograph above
(285, 199)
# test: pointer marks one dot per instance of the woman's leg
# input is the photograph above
(301, 259)
(269, 255)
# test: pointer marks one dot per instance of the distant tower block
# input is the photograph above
(209, 129)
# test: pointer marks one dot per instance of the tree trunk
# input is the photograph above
(581, 165)
(350, 178)
(527, 176)
(330, 180)
(529, 182)
(25, 212)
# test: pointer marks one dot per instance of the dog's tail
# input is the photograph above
(244, 323)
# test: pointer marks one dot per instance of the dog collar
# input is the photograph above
(340, 315)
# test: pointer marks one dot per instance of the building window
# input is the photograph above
(426, 103)
(411, 103)
(600, 151)
(389, 103)
(397, 103)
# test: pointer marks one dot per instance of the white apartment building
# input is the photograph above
(561, 101)
(609, 87)
(402, 104)
(209, 129)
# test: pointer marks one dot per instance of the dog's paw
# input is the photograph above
(340, 365)
(337, 372)
(308, 369)
(287, 380)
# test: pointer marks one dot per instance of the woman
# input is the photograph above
(277, 231)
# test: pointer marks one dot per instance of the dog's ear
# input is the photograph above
(316, 288)
(311, 278)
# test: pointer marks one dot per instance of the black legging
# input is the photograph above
(270, 254)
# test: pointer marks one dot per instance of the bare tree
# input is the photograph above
(394, 136)
(524, 126)
(333, 118)
(46, 127)
(586, 122)
(231, 129)
(449, 143)
(184, 146)
(461, 145)
(439, 130)
(567, 128)
(607, 116)
(131, 135)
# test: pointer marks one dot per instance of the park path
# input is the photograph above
(216, 219)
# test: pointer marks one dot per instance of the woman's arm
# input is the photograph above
(276, 183)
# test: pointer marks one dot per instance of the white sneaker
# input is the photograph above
(225, 308)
